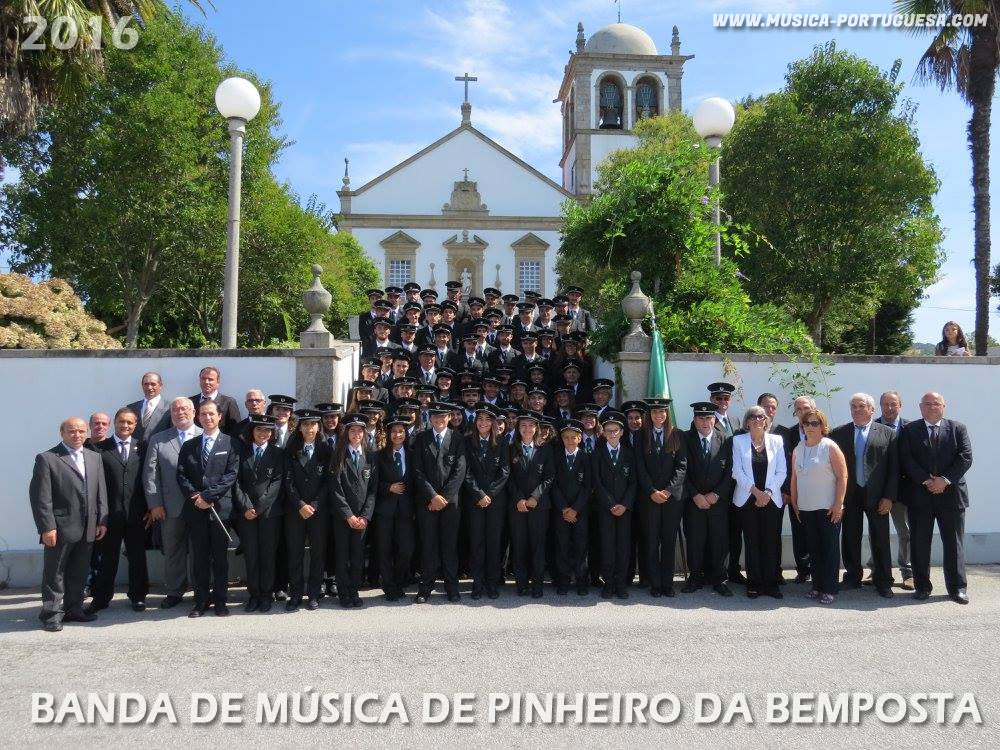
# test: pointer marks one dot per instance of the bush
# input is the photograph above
(48, 315)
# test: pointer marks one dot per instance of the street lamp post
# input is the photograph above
(713, 120)
(239, 102)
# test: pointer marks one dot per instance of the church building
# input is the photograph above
(465, 208)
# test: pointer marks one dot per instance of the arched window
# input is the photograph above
(647, 99)
(611, 110)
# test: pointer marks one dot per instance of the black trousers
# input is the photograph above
(209, 558)
(735, 522)
(571, 541)
(260, 553)
(64, 575)
(299, 530)
(924, 510)
(527, 541)
(800, 549)
(281, 577)
(856, 508)
(350, 549)
(395, 539)
(707, 533)
(616, 542)
(821, 538)
(486, 543)
(660, 522)
(761, 531)
(595, 566)
(132, 532)
(439, 546)
(638, 560)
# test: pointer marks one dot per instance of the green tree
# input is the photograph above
(124, 191)
(650, 213)
(967, 59)
(33, 79)
(829, 171)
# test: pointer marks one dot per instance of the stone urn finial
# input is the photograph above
(317, 301)
(636, 306)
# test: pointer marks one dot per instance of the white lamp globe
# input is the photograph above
(237, 97)
(714, 118)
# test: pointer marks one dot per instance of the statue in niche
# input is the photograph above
(466, 279)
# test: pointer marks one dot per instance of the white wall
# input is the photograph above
(424, 186)
(43, 391)
(432, 250)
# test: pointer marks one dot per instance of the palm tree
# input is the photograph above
(31, 79)
(967, 59)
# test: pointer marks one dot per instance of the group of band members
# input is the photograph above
(466, 449)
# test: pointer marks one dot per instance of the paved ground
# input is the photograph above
(694, 643)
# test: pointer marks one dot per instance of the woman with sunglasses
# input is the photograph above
(759, 471)
(818, 486)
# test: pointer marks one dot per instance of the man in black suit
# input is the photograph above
(439, 471)
(259, 507)
(936, 454)
(229, 412)
(123, 458)
(380, 338)
(615, 479)
(207, 467)
(69, 501)
(572, 488)
(872, 487)
(504, 353)
(366, 318)
(153, 409)
(891, 404)
(708, 489)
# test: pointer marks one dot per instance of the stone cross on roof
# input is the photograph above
(466, 78)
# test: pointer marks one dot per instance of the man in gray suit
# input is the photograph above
(69, 501)
(165, 498)
(153, 409)
(891, 405)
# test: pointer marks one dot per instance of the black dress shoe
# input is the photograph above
(330, 588)
(583, 589)
(690, 587)
(960, 597)
(655, 592)
(52, 627)
(621, 594)
(562, 590)
(477, 594)
(170, 601)
(198, 610)
(737, 576)
(522, 590)
(265, 605)
(850, 583)
(292, 605)
(85, 616)
(722, 589)
(221, 610)
(801, 577)
(668, 591)
(93, 608)
(252, 604)
(885, 592)
(420, 599)
(454, 596)
(493, 593)
(356, 601)
(606, 592)
(921, 595)
(139, 606)
(781, 580)
(752, 593)
(536, 592)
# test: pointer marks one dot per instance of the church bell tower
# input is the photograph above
(614, 79)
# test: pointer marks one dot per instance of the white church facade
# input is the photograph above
(467, 208)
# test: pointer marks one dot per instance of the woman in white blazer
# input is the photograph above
(759, 470)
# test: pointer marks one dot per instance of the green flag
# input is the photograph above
(658, 385)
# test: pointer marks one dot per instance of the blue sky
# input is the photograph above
(373, 80)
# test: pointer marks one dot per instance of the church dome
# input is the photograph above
(621, 39)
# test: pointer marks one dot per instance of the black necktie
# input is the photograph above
(706, 448)
(399, 462)
(570, 460)
(659, 442)
(934, 436)
(614, 456)
(483, 445)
